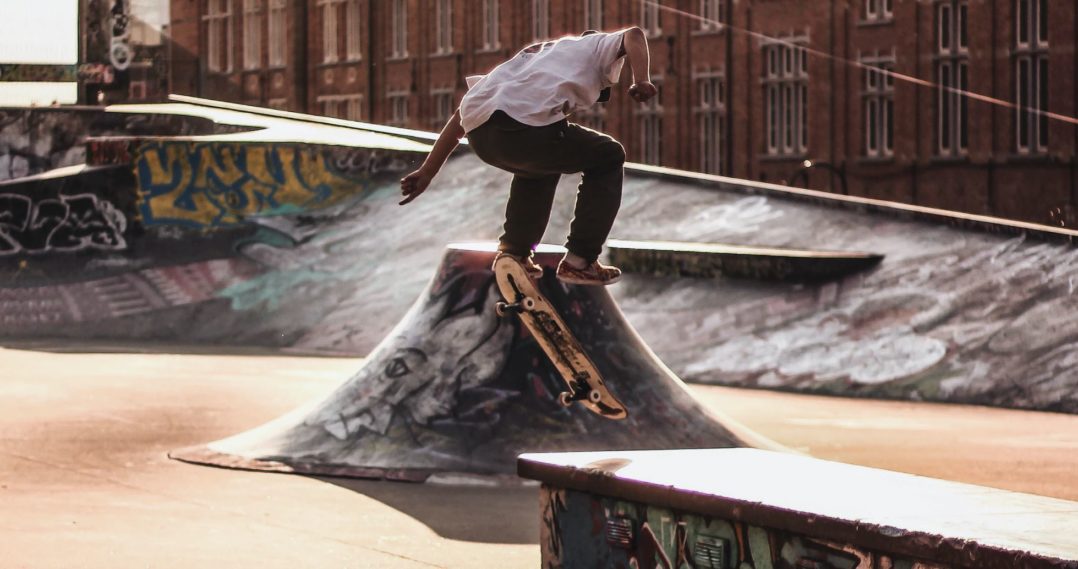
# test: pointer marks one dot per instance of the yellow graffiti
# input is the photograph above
(214, 184)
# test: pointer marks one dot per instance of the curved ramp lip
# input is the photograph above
(745, 250)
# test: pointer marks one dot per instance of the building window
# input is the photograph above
(219, 53)
(594, 117)
(650, 121)
(443, 107)
(490, 24)
(952, 76)
(252, 34)
(711, 15)
(352, 26)
(444, 23)
(786, 98)
(399, 35)
(710, 119)
(593, 14)
(540, 19)
(280, 104)
(348, 107)
(879, 11)
(398, 108)
(1031, 76)
(278, 26)
(330, 11)
(879, 105)
(650, 18)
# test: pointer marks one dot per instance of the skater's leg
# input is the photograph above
(599, 193)
(527, 213)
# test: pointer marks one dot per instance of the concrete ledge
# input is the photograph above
(864, 511)
(710, 260)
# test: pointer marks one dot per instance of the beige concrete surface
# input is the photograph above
(85, 481)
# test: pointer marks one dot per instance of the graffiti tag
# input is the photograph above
(70, 223)
(220, 184)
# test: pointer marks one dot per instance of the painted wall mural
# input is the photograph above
(70, 223)
(585, 530)
(217, 184)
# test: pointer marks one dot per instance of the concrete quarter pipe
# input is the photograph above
(455, 388)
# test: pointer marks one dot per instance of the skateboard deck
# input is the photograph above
(582, 379)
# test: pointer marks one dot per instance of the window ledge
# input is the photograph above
(709, 32)
(876, 23)
(1029, 158)
(404, 57)
(487, 50)
(443, 54)
(783, 157)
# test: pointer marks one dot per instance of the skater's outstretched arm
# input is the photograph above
(416, 183)
(635, 44)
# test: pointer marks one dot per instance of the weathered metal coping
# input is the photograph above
(765, 500)
(668, 258)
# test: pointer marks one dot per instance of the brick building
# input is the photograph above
(760, 89)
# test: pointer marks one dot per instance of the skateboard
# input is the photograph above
(582, 379)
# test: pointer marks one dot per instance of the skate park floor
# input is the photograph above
(85, 480)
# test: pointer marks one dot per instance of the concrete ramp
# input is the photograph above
(454, 388)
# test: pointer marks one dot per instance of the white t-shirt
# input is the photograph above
(546, 82)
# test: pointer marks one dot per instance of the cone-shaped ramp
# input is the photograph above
(455, 388)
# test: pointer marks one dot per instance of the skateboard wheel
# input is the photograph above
(529, 303)
(499, 308)
(565, 398)
(594, 396)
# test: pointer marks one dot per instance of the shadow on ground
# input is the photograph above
(507, 515)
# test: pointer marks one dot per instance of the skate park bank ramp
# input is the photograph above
(455, 388)
(959, 309)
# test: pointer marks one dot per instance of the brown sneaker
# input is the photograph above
(535, 272)
(594, 274)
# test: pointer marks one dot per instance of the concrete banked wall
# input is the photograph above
(455, 388)
(959, 310)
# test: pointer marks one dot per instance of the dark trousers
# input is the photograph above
(537, 157)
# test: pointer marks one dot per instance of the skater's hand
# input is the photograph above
(414, 184)
(643, 91)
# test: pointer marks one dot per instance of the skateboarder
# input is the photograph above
(516, 118)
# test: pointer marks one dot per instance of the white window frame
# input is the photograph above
(710, 111)
(330, 30)
(878, 101)
(1031, 76)
(593, 14)
(710, 15)
(649, 117)
(252, 34)
(443, 22)
(651, 18)
(346, 107)
(785, 81)
(879, 11)
(398, 29)
(593, 117)
(442, 105)
(220, 57)
(353, 28)
(491, 25)
(278, 30)
(540, 19)
(952, 78)
(398, 102)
